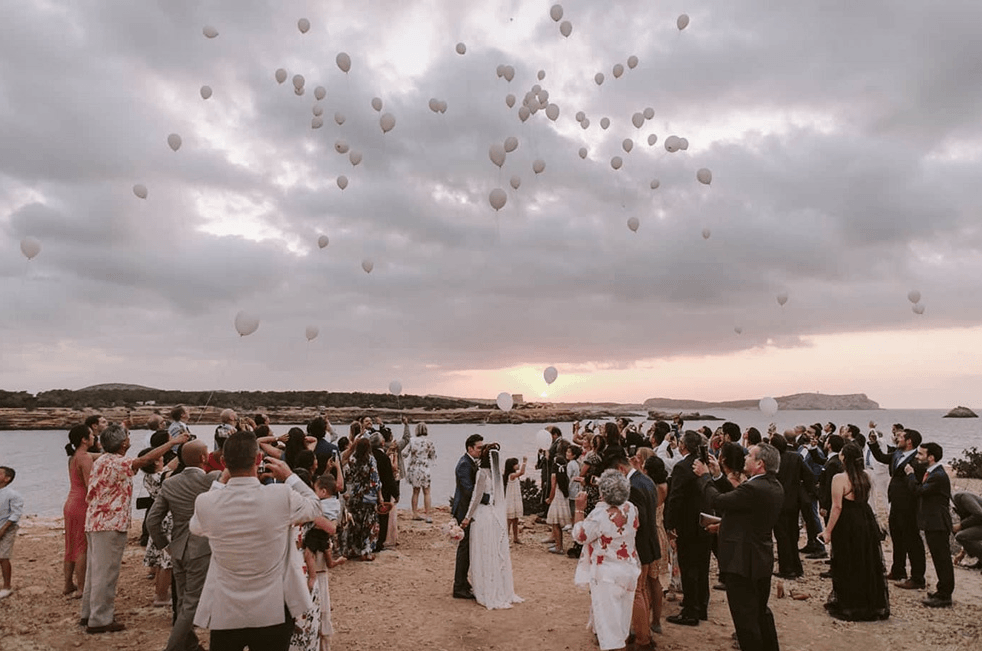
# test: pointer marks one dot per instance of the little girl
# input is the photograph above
(558, 515)
(316, 554)
(514, 509)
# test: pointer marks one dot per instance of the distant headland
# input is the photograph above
(796, 401)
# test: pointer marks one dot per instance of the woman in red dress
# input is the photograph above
(81, 441)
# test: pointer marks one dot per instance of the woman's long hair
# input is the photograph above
(294, 444)
(855, 466)
(486, 454)
(511, 465)
(76, 435)
(562, 479)
(363, 451)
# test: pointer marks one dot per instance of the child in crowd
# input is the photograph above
(558, 515)
(326, 488)
(514, 508)
(573, 453)
(317, 555)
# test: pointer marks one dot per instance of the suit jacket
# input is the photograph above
(796, 479)
(933, 493)
(685, 501)
(385, 475)
(177, 495)
(254, 569)
(464, 475)
(832, 468)
(644, 495)
(748, 513)
(899, 492)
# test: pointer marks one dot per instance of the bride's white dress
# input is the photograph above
(491, 576)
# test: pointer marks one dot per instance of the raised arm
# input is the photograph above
(159, 451)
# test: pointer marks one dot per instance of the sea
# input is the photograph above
(39, 456)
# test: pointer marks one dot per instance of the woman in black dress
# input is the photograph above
(859, 589)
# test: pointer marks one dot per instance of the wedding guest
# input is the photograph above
(968, 529)
(11, 510)
(609, 565)
(80, 441)
(178, 425)
(933, 492)
(96, 423)
(558, 515)
(107, 521)
(157, 558)
(514, 507)
(226, 428)
(388, 485)
(798, 483)
(654, 468)
(364, 493)
(422, 454)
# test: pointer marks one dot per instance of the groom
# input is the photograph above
(464, 476)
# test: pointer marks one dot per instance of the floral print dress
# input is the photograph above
(158, 557)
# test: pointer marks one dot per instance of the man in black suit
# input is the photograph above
(833, 466)
(746, 554)
(798, 483)
(464, 475)
(387, 478)
(933, 493)
(682, 508)
(904, 535)
(644, 496)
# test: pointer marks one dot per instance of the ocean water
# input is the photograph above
(42, 466)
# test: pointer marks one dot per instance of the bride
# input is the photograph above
(490, 556)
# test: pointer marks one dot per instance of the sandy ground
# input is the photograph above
(402, 601)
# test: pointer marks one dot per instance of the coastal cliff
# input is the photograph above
(797, 401)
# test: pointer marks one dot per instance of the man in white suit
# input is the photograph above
(255, 587)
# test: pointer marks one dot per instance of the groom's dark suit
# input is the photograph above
(904, 534)
(464, 476)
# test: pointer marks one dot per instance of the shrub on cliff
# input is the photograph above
(971, 466)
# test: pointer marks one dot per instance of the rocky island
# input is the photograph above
(961, 412)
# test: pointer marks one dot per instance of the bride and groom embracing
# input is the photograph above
(479, 507)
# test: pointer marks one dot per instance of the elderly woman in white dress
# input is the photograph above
(608, 564)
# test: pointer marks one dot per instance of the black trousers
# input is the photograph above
(383, 531)
(939, 544)
(786, 533)
(809, 513)
(266, 638)
(752, 618)
(907, 544)
(463, 563)
(694, 552)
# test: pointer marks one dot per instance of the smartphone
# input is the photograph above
(632, 450)
(704, 454)
(262, 469)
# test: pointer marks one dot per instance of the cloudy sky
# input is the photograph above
(844, 142)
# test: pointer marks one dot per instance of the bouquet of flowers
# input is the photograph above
(453, 532)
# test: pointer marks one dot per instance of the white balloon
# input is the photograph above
(627, 145)
(509, 73)
(516, 181)
(320, 93)
(303, 25)
(354, 157)
(511, 144)
(768, 406)
(341, 146)
(174, 141)
(500, 70)
(246, 324)
(540, 75)
(538, 165)
(543, 439)
(524, 113)
(633, 223)
(580, 116)
(556, 12)
(918, 308)
(616, 162)
(672, 144)
(599, 78)
(140, 190)
(30, 247)
(782, 298)
(706, 233)
(632, 62)
(652, 139)
(914, 296)
(682, 22)
(550, 374)
(342, 181)
(683, 144)
(339, 118)
(461, 48)
(648, 113)
(280, 75)
(387, 122)
(377, 104)
(343, 61)
(497, 198)
(205, 92)
(566, 28)
(298, 81)
(443, 107)
(316, 122)
(367, 265)
(317, 110)
(395, 387)
(585, 123)
(637, 120)
(497, 154)
(654, 184)
(311, 332)
(704, 176)
(434, 105)
(738, 330)
(552, 112)
(505, 401)
(618, 70)
(299, 91)
(604, 123)
(583, 152)
(209, 31)
(323, 241)
(509, 100)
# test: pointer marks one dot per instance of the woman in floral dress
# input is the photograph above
(422, 454)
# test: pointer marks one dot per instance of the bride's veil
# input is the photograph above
(498, 484)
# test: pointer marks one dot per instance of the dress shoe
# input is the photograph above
(818, 554)
(810, 549)
(789, 576)
(826, 575)
(682, 620)
(108, 628)
(937, 602)
(719, 586)
(895, 577)
(977, 565)
(469, 594)
(910, 584)
(84, 621)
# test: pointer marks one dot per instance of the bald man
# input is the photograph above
(190, 554)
